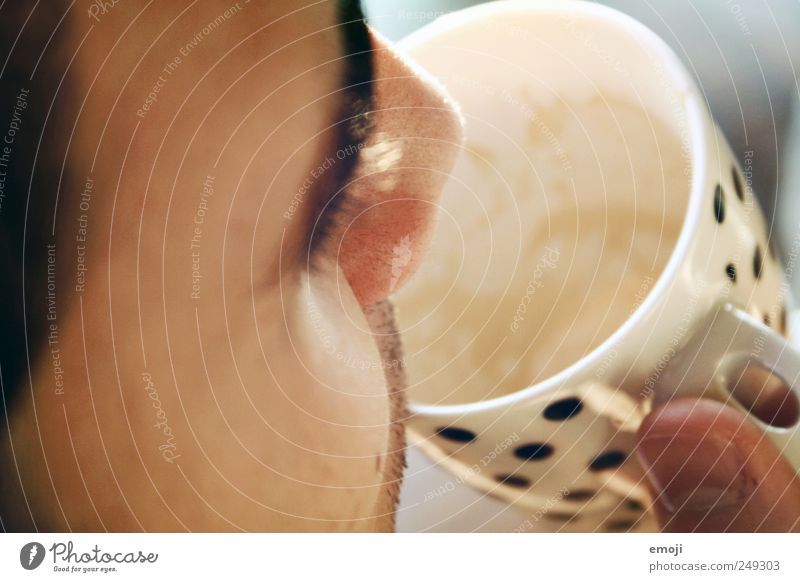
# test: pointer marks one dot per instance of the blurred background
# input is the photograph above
(745, 56)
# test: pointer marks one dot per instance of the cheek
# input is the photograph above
(334, 364)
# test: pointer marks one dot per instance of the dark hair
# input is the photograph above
(357, 105)
(32, 110)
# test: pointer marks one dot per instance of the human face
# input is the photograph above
(225, 237)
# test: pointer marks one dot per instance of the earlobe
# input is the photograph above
(392, 206)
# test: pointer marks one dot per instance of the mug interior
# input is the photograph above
(563, 208)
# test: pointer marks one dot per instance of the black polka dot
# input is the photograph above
(737, 184)
(767, 320)
(512, 480)
(534, 451)
(580, 494)
(563, 409)
(719, 204)
(758, 263)
(634, 505)
(607, 460)
(620, 524)
(730, 270)
(453, 433)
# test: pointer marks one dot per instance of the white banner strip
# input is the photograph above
(401, 557)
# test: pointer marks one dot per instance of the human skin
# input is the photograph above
(260, 402)
(710, 469)
(264, 400)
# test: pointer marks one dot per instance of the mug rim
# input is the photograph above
(696, 143)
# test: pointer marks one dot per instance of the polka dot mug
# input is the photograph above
(599, 251)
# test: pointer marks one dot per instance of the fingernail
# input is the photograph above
(694, 474)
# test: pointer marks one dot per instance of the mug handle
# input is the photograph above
(716, 362)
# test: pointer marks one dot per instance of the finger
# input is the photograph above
(709, 469)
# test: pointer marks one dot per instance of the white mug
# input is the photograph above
(599, 251)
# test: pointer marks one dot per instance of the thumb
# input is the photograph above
(710, 470)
